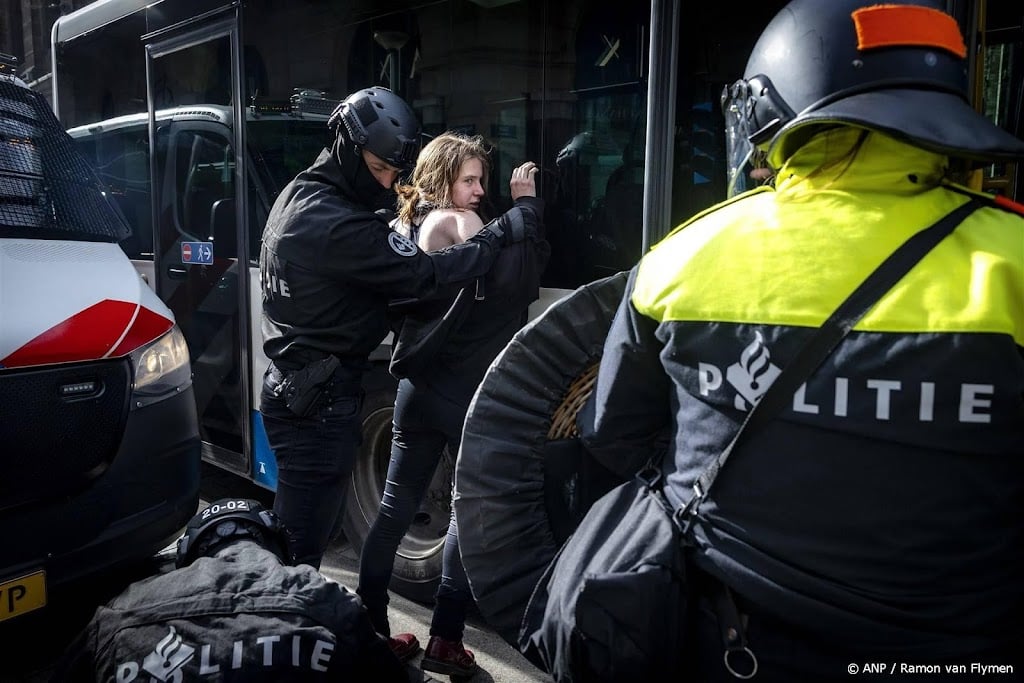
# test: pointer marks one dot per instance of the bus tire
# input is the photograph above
(417, 570)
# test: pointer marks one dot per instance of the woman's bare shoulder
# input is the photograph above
(445, 227)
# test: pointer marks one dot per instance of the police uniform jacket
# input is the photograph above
(329, 265)
(240, 616)
(885, 505)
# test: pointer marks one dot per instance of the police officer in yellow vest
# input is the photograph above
(880, 517)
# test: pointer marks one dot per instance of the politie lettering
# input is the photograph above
(973, 406)
(274, 284)
(264, 652)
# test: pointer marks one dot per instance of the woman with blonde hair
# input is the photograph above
(441, 201)
(437, 209)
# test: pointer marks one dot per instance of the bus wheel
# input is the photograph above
(417, 569)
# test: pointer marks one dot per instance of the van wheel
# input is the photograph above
(418, 560)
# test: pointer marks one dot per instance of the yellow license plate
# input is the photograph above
(22, 595)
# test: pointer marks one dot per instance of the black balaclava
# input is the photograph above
(367, 190)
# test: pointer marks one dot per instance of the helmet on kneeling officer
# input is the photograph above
(234, 607)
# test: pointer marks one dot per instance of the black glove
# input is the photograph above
(519, 222)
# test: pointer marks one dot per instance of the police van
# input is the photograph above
(99, 433)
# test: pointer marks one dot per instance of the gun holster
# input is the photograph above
(302, 388)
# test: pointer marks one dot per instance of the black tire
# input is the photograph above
(518, 493)
(417, 569)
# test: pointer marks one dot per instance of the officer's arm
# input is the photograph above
(370, 658)
(626, 418)
(362, 249)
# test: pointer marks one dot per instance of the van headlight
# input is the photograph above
(161, 369)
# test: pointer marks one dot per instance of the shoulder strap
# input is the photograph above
(825, 339)
(397, 224)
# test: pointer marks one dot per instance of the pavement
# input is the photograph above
(498, 661)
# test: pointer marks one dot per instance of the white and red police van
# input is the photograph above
(99, 439)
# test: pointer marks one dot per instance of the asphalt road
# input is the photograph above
(31, 645)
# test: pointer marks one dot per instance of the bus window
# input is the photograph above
(283, 148)
(121, 159)
(561, 84)
(599, 201)
(103, 76)
(205, 176)
(1002, 88)
(280, 149)
(713, 53)
(200, 75)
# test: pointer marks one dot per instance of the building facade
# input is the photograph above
(25, 34)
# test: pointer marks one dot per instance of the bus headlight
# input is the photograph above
(161, 369)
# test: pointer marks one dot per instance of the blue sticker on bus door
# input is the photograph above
(197, 252)
(264, 464)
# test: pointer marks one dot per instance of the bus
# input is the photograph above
(197, 112)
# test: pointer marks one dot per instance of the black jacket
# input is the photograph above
(329, 265)
(496, 310)
(239, 616)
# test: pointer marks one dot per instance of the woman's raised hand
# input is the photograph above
(522, 182)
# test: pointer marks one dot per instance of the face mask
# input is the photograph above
(375, 195)
(364, 186)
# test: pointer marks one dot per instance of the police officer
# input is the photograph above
(880, 516)
(234, 609)
(329, 266)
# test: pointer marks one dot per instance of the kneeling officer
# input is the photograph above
(234, 609)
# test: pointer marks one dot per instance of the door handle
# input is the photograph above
(176, 273)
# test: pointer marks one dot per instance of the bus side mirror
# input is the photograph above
(222, 228)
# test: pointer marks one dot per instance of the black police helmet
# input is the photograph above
(381, 122)
(231, 519)
(897, 68)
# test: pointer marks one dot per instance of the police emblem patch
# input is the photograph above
(401, 245)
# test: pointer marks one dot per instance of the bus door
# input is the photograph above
(196, 173)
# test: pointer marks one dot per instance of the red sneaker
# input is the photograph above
(448, 657)
(404, 646)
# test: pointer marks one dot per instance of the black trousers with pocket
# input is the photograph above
(315, 455)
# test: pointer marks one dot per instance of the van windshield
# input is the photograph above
(47, 189)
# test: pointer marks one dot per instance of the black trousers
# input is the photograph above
(315, 456)
(425, 422)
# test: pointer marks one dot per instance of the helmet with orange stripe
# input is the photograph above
(897, 68)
